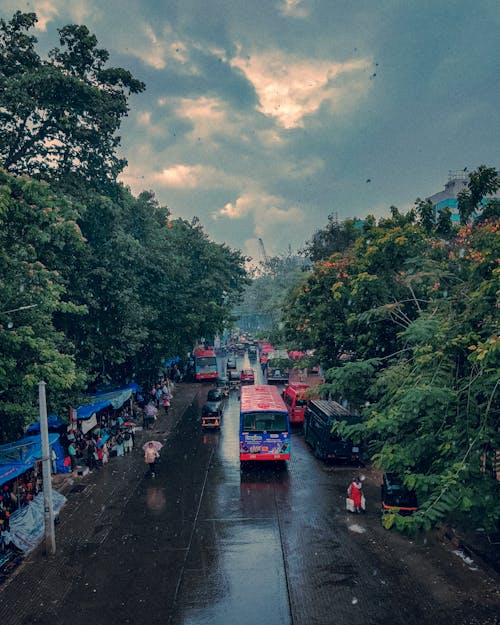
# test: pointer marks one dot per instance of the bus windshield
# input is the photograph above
(206, 361)
(264, 421)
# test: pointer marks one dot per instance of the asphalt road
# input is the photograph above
(203, 543)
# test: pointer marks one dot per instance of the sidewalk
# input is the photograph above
(93, 501)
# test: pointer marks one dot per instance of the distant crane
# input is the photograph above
(263, 250)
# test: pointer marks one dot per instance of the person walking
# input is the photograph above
(150, 457)
(72, 455)
(120, 451)
(355, 494)
(128, 442)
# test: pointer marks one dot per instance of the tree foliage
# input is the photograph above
(417, 315)
(59, 116)
(96, 285)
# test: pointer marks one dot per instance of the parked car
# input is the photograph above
(215, 394)
(211, 414)
(247, 376)
(396, 497)
(231, 362)
(223, 385)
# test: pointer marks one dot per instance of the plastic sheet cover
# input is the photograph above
(27, 525)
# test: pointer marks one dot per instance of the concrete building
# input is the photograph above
(457, 181)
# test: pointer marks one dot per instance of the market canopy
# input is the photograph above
(19, 456)
(53, 421)
(115, 398)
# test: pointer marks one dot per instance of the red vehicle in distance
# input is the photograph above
(247, 376)
(296, 401)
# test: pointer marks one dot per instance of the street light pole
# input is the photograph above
(5, 312)
(50, 538)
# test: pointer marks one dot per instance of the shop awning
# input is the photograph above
(19, 456)
(53, 421)
(115, 398)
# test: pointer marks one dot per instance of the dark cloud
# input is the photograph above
(422, 100)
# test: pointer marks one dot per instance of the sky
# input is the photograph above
(264, 117)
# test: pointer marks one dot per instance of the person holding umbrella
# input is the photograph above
(151, 450)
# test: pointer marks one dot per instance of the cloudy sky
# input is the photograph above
(262, 117)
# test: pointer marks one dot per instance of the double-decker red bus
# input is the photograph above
(264, 424)
(205, 364)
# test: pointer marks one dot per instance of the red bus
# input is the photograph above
(296, 402)
(205, 364)
(264, 424)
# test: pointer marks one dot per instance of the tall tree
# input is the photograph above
(59, 116)
(37, 232)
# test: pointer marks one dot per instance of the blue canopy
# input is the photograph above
(87, 410)
(19, 456)
(172, 361)
(115, 398)
(53, 422)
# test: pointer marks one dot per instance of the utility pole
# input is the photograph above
(50, 537)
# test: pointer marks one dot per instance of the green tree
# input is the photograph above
(418, 316)
(482, 182)
(59, 116)
(37, 232)
(334, 238)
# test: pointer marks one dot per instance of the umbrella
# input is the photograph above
(102, 440)
(151, 410)
(130, 424)
(156, 444)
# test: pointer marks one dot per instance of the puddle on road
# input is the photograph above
(354, 527)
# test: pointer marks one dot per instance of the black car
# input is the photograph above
(231, 362)
(223, 385)
(215, 394)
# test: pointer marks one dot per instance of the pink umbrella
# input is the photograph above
(156, 444)
(151, 410)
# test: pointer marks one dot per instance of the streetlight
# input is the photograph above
(5, 312)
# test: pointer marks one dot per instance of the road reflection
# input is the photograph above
(155, 498)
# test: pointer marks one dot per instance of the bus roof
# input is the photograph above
(261, 397)
(200, 352)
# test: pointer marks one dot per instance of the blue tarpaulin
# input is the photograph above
(115, 398)
(53, 422)
(18, 457)
(172, 361)
(87, 410)
(27, 524)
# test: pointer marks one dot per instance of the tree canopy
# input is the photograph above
(406, 322)
(96, 286)
(59, 116)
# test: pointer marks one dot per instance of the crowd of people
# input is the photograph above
(116, 433)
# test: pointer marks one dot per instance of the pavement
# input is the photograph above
(91, 503)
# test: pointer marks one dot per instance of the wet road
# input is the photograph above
(203, 543)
